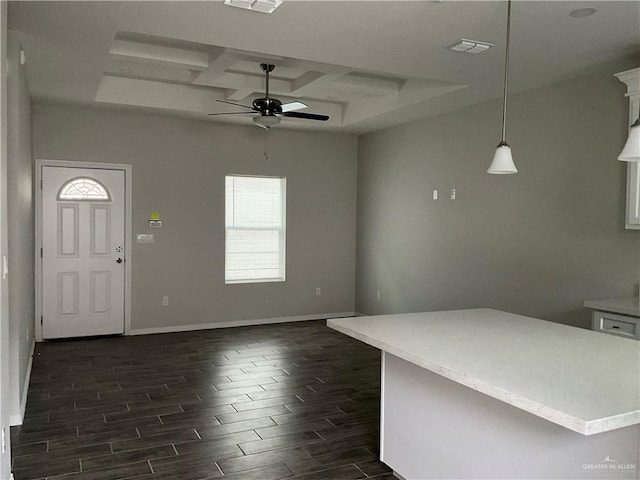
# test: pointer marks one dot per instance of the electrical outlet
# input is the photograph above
(318, 291)
(435, 194)
(453, 194)
(165, 301)
(378, 295)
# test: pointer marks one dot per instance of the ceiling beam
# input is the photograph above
(237, 95)
(240, 81)
(218, 65)
(149, 93)
(313, 80)
(160, 54)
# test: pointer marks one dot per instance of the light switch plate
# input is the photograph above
(144, 238)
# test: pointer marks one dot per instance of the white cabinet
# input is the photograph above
(632, 220)
(615, 324)
(631, 78)
(617, 316)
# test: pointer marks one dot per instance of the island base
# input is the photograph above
(434, 428)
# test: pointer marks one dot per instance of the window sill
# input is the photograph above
(260, 280)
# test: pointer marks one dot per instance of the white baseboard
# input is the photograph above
(238, 323)
(17, 419)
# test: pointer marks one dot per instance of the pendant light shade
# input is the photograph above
(631, 150)
(502, 163)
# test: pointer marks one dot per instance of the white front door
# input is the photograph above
(83, 218)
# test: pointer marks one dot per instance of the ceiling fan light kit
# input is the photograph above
(266, 121)
(631, 149)
(502, 163)
(262, 6)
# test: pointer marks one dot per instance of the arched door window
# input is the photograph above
(84, 188)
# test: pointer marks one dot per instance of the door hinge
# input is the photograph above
(41, 321)
(41, 184)
(40, 252)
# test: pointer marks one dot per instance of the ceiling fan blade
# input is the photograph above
(232, 113)
(308, 116)
(289, 107)
(236, 104)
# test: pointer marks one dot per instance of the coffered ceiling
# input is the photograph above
(171, 74)
(365, 64)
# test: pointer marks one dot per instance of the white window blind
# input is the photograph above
(255, 229)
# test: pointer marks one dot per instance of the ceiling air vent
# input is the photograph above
(471, 46)
(263, 6)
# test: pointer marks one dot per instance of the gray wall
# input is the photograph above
(21, 226)
(537, 243)
(5, 457)
(178, 170)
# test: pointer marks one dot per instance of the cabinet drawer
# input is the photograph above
(616, 324)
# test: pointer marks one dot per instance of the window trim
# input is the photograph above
(282, 233)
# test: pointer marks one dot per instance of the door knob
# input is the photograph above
(119, 260)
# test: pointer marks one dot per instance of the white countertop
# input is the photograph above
(625, 306)
(582, 380)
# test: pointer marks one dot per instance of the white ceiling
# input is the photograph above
(366, 64)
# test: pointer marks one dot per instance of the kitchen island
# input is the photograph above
(487, 394)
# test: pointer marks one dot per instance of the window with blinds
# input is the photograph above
(254, 229)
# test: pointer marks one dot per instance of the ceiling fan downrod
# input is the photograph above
(266, 68)
(268, 107)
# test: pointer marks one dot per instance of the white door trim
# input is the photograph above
(40, 163)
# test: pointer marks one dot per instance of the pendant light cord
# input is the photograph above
(506, 76)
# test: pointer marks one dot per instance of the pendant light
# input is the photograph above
(631, 150)
(502, 162)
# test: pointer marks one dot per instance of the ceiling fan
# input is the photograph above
(271, 109)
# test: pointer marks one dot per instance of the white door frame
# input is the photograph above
(40, 163)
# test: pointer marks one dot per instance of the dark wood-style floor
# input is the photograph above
(296, 400)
